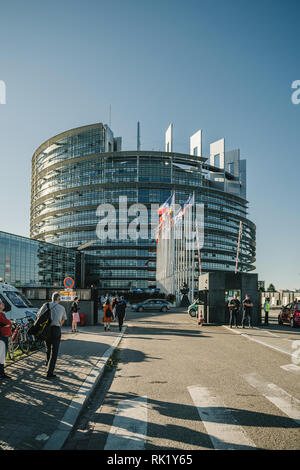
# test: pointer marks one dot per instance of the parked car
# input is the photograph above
(290, 314)
(152, 304)
(16, 305)
(193, 308)
(153, 290)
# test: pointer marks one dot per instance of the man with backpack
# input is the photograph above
(120, 311)
(58, 316)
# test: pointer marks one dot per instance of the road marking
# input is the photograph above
(264, 343)
(223, 430)
(276, 395)
(68, 421)
(129, 428)
(291, 368)
(272, 334)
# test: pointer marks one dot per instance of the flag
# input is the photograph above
(178, 215)
(188, 203)
(166, 205)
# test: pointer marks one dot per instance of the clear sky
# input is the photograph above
(225, 66)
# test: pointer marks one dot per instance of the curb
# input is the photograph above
(67, 423)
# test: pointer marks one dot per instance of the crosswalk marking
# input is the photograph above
(129, 428)
(276, 395)
(223, 430)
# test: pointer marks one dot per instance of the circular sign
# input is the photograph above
(69, 282)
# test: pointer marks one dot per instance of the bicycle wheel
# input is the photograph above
(24, 342)
(39, 343)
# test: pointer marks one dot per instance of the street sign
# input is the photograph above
(69, 283)
(67, 295)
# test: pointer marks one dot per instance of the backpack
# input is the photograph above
(108, 313)
(41, 326)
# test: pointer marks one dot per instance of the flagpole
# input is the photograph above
(198, 247)
(238, 247)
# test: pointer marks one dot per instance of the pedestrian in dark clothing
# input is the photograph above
(247, 305)
(113, 306)
(120, 311)
(58, 317)
(234, 308)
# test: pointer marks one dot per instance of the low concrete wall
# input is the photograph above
(86, 307)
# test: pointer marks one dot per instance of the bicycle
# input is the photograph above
(28, 342)
(14, 343)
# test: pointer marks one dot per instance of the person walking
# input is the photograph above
(107, 314)
(58, 317)
(120, 311)
(266, 310)
(247, 306)
(113, 306)
(75, 315)
(234, 308)
(102, 301)
(5, 333)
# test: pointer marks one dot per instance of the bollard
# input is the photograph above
(200, 315)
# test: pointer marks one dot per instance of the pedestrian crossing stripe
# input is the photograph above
(222, 428)
(276, 395)
(129, 428)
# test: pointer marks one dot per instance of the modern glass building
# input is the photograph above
(76, 171)
(25, 262)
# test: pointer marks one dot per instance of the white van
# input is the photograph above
(16, 304)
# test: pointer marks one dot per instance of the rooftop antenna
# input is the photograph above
(138, 136)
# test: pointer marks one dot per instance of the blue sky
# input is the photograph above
(225, 66)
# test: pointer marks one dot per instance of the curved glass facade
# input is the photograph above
(25, 262)
(73, 173)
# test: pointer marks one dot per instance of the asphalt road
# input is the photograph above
(180, 386)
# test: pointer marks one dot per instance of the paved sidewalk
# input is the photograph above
(32, 407)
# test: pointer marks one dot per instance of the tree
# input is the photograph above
(271, 288)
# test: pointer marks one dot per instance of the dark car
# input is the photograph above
(152, 304)
(290, 314)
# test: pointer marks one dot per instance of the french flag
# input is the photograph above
(190, 202)
(166, 205)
